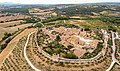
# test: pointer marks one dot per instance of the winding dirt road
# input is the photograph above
(25, 55)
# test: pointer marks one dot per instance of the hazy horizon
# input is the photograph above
(56, 1)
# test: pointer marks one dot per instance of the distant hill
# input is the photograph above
(99, 3)
(8, 3)
(106, 3)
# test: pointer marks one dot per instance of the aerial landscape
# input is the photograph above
(59, 36)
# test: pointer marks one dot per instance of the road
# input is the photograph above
(25, 55)
(114, 60)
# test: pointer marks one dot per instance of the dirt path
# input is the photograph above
(12, 44)
(25, 54)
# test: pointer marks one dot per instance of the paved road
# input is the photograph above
(25, 55)
(114, 60)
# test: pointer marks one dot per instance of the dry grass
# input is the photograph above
(12, 23)
(12, 29)
(19, 26)
(13, 17)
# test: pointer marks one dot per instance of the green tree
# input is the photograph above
(6, 35)
(58, 38)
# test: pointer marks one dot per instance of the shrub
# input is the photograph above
(3, 46)
(70, 46)
(87, 29)
(6, 35)
(58, 38)
(30, 27)
(2, 22)
(39, 25)
(8, 40)
(31, 20)
(15, 25)
(61, 64)
(70, 56)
